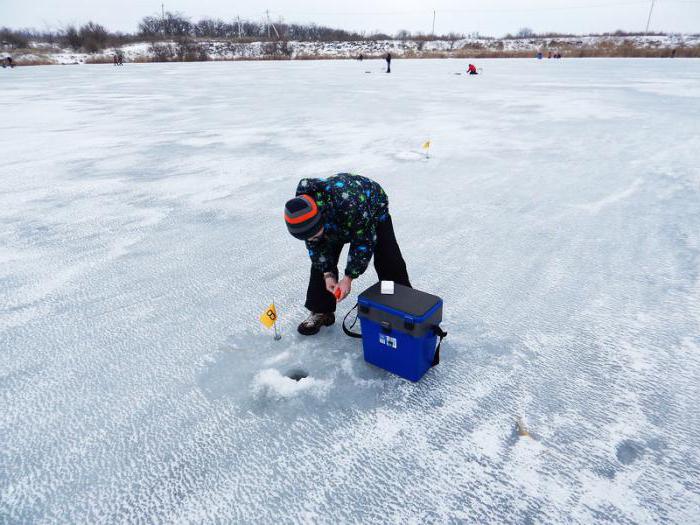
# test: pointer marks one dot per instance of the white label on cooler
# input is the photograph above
(388, 341)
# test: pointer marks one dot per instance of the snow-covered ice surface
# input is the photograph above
(558, 216)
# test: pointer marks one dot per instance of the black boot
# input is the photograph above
(314, 322)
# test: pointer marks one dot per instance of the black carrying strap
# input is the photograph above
(441, 334)
(346, 329)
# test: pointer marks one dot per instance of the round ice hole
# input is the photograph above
(297, 374)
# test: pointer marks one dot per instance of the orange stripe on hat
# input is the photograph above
(306, 216)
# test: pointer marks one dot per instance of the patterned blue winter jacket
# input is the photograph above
(351, 207)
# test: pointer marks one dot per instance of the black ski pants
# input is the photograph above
(388, 262)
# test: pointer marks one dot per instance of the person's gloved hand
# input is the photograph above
(345, 285)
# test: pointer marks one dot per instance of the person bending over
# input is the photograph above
(328, 214)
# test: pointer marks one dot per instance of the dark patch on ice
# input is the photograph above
(19, 307)
(629, 451)
(657, 445)
(495, 349)
(297, 374)
(228, 375)
(511, 439)
(607, 513)
(606, 470)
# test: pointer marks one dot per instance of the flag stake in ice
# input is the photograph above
(269, 319)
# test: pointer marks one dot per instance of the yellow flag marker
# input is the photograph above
(426, 145)
(269, 319)
(269, 316)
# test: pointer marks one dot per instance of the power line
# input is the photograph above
(651, 9)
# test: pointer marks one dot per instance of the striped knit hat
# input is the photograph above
(302, 217)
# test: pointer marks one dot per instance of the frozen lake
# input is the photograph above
(142, 236)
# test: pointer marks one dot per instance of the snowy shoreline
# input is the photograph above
(222, 50)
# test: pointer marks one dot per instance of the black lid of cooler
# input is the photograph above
(404, 299)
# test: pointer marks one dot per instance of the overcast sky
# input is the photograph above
(494, 17)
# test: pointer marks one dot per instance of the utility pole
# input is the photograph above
(433, 33)
(267, 14)
(162, 12)
(281, 21)
(239, 27)
(649, 19)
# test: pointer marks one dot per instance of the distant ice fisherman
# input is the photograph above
(329, 213)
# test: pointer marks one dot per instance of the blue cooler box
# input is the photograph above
(400, 331)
